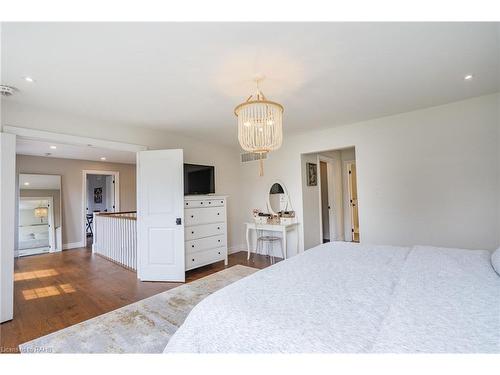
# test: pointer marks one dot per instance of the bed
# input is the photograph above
(351, 298)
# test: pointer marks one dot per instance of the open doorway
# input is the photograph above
(338, 195)
(100, 194)
(331, 202)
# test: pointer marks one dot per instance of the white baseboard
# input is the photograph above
(73, 245)
(236, 248)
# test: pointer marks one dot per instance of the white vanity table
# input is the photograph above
(283, 229)
(278, 202)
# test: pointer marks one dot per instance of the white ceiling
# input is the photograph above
(187, 77)
(68, 151)
(39, 181)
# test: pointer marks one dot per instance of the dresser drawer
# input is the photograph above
(205, 257)
(205, 230)
(196, 203)
(200, 244)
(197, 216)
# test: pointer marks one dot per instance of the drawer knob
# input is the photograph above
(222, 201)
(218, 213)
(192, 232)
(218, 227)
(187, 204)
(201, 202)
(192, 216)
(192, 260)
(192, 245)
(209, 202)
(219, 252)
(218, 240)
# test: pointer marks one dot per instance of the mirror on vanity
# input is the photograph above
(278, 199)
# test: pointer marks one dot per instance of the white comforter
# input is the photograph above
(342, 297)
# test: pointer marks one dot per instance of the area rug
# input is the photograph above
(142, 327)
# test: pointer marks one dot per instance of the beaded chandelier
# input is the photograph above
(260, 125)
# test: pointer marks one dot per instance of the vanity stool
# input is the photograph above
(266, 243)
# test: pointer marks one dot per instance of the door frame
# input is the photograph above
(330, 162)
(52, 227)
(85, 173)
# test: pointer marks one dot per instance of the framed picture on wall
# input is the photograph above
(312, 174)
(98, 195)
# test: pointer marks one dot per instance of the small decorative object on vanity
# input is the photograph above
(273, 219)
(261, 218)
(287, 217)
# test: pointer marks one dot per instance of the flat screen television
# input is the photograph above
(199, 179)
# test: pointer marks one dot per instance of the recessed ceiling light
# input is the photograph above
(468, 77)
(103, 158)
(29, 79)
(53, 147)
(26, 184)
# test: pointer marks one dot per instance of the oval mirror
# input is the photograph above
(277, 199)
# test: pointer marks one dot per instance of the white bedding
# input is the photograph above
(342, 297)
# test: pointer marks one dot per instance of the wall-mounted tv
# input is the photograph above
(199, 179)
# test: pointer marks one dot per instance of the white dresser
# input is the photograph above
(205, 230)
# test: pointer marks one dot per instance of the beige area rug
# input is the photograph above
(141, 327)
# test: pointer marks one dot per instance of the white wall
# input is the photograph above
(310, 198)
(424, 177)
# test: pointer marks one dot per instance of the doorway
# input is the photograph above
(338, 198)
(100, 194)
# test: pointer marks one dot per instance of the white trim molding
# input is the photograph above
(236, 248)
(73, 245)
(41, 135)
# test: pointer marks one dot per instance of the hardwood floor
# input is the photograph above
(54, 291)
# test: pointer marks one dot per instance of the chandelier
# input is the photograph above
(260, 125)
(41, 212)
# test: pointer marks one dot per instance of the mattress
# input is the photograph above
(351, 298)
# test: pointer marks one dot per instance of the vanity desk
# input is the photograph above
(281, 228)
(268, 233)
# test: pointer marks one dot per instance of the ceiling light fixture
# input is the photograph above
(26, 184)
(103, 158)
(260, 124)
(468, 77)
(29, 79)
(53, 147)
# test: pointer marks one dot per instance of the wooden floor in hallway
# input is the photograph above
(54, 291)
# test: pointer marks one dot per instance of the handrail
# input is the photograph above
(127, 215)
(115, 213)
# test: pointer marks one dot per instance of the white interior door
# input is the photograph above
(160, 215)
